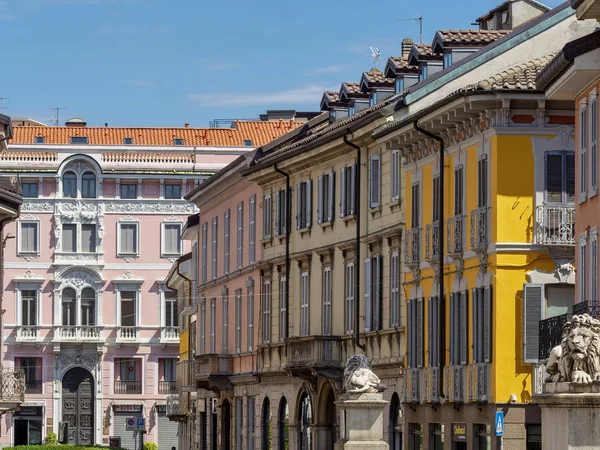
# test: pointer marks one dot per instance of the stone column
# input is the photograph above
(570, 416)
(361, 422)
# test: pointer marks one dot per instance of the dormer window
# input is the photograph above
(248, 142)
(447, 59)
(337, 114)
(422, 72)
(39, 140)
(128, 141)
(399, 85)
(178, 141)
(379, 96)
(79, 140)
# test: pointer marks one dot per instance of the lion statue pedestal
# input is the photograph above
(361, 408)
(570, 399)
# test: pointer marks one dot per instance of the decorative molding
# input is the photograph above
(29, 265)
(150, 207)
(37, 206)
(139, 266)
(128, 277)
(29, 277)
(564, 274)
(127, 258)
(28, 217)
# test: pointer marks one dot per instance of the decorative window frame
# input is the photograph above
(375, 196)
(593, 265)
(78, 232)
(128, 283)
(582, 156)
(128, 220)
(395, 175)
(163, 253)
(28, 218)
(593, 143)
(582, 267)
(28, 282)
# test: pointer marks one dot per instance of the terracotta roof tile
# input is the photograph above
(333, 96)
(520, 77)
(471, 37)
(378, 77)
(259, 132)
(424, 49)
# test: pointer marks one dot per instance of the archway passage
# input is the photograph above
(78, 405)
(326, 419)
(395, 431)
(266, 426)
(226, 425)
(283, 424)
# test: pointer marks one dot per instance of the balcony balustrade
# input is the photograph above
(454, 384)
(12, 390)
(128, 387)
(412, 379)
(184, 375)
(432, 242)
(169, 335)
(127, 334)
(551, 330)
(412, 248)
(77, 333)
(28, 333)
(212, 372)
(167, 387)
(455, 228)
(176, 407)
(33, 386)
(478, 379)
(479, 228)
(555, 225)
(430, 381)
(308, 356)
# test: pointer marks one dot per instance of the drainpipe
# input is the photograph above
(190, 372)
(288, 227)
(441, 242)
(3, 249)
(357, 342)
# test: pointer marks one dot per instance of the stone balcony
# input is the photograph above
(169, 335)
(412, 249)
(28, 334)
(455, 235)
(177, 409)
(187, 304)
(309, 356)
(454, 384)
(555, 225)
(479, 228)
(412, 390)
(12, 390)
(212, 372)
(127, 335)
(184, 374)
(430, 382)
(128, 387)
(80, 333)
(478, 382)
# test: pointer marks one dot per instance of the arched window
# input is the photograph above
(88, 185)
(68, 307)
(88, 307)
(267, 426)
(69, 185)
(284, 424)
(395, 432)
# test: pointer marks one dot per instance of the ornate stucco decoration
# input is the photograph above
(128, 277)
(577, 358)
(29, 277)
(146, 207)
(359, 377)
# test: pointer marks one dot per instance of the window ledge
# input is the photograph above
(328, 224)
(349, 218)
(28, 254)
(395, 205)
(375, 211)
(265, 241)
(304, 231)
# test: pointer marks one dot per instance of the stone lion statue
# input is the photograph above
(577, 358)
(359, 377)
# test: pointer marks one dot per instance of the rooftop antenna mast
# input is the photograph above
(420, 20)
(55, 119)
(3, 98)
(375, 56)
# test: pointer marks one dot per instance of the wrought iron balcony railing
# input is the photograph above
(455, 227)
(454, 384)
(479, 228)
(430, 381)
(167, 387)
(555, 225)
(478, 379)
(33, 386)
(412, 248)
(551, 334)
(432, 242)
(412, 379)
(586, 307)
(128, 387)
(12, 389)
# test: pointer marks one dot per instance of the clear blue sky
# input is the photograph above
(167, 62)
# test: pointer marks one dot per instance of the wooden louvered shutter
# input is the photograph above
(474, 328)
(368, 294)
(409, 340)
(353, 174)
(330, 213)
(308, 218)
(533, 312)
(378, 288)
(464, 326)
(420, 333)
(452, 328)
(278, 213)
(487, 323)
(320, 198)
(343, 194)
(298, 207)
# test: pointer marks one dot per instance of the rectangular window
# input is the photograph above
(434, 309)
(326, 197)
(29, 307)
(458, 328)
(435, 189)
(171, 239)
(69, 237)
(304, 304)
(395, 290)
(415, 436)
(281, 212)
(213, 326)
(213, 250)
(79, 140)
(583, 137)
(128, 238)
(395, 175)
(482, 181)
(304, 205)
(127, 141)
(69, 182)
(267, 221)
(88, 185)
(39, 140)
(204, 269)
(482, 324)
(250, 306)
(226, 240)
(594, 144)
(349, 294)
(128, 308)
(252, 230)
(373, 293)
(88, 237)
(29, 237)
(238, 321)
(29, 190)
(422, 73)
(399, 85)
(173, 191)
(32, 368)
(447, 59)
(283, 316)
(415, 317)
(251, 428)
(240, 235)
(169, 369)
(436, 436)
(248, 142)
(583, 269)
(171, 317)
(375, 182)
(347, 190)
(202, 349)
(177, 141)
(326, 301)
(416, 206)
(225, 337)
(560, 177)
(459, 179)
(129, 191)
(266, 311)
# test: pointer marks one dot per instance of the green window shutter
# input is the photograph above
(487, 323)
(533, 312)
(420, 334)
(464, 326)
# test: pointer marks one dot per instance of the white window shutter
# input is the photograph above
(464, 326)
(343, 193)
(533, 312)
(308, 203)
(320, 196)
(368, 293)
(487, 324)
(331, 197)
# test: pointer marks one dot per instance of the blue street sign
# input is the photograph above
(499, 423)
(140, 423)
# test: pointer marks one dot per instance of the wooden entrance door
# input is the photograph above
(78, 405)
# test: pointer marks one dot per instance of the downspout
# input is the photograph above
(190, 371)
(439, 139)
(288, 227)
(3, 249)
(357, 342)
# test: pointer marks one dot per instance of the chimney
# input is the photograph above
(105, 124)
(76, 122)
(187, 124)
(406, 46)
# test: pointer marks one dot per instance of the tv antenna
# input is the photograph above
(55, 119)
(420, 20)
(375, 56)
(3, 98)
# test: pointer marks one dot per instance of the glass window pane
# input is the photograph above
(128, 191)
(128, 308)
(88, 307)
(88, 237)
(69, 185)
(29, 306)
(173, 191)
(30, 190)
(172, 238)
(128, 238)
(570, 181)
(554, 177)
(29, 237)
(88, 185)
(69, 238)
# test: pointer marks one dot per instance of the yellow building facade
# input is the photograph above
(506, 242)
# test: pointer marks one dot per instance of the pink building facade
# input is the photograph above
(89, 318)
